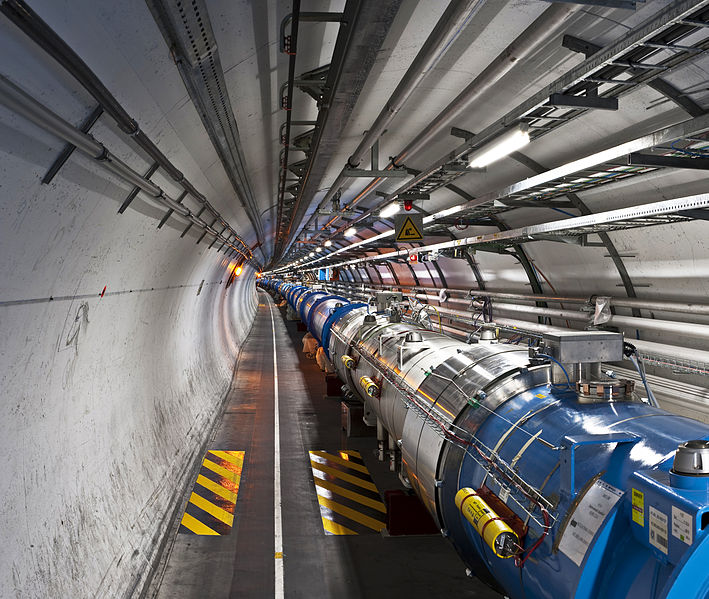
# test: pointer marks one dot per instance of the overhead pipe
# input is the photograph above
(551, 20)
(618, 302)
(24, 105)
(286, 138)
(34, 27)
(454, 18)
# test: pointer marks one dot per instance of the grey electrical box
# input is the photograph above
(384, 299)
(585, 346)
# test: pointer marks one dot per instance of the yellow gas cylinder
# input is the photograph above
(348, 361)
(497, 535)
(370, 387)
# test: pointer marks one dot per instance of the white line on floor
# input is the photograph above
(277, 519)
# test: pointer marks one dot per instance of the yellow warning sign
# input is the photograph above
(409, 227)
(638, 507)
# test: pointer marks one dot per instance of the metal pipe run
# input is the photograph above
(24, 105)
(455, 17)
(650, 348)
(527, 42)
(618, 302)
(458, 14)
(34, 27)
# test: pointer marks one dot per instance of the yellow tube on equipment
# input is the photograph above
(370, 387)
(497, 535)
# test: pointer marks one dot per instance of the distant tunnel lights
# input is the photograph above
(503, 146)
(389, 210)
(351, 232)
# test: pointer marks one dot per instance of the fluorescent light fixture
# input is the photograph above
(318, 249)
(503, 146)
(351, 232)
(328, 243)
(389, 210)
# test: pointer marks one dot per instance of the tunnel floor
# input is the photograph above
(237, 559)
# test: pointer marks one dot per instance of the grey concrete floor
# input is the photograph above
(241, 564)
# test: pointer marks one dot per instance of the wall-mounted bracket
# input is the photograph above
(587, 101)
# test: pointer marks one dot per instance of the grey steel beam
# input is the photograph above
(637, 159)
(587, 101)
(363, 29)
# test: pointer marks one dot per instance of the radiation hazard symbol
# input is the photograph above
(409, 227)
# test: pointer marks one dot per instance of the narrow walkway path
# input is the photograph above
(316, 565)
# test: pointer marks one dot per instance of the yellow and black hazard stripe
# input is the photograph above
(350, 503)
(210, 508)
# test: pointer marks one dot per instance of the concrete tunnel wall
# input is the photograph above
(106, 401)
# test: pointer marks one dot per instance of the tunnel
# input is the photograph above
(354, 298)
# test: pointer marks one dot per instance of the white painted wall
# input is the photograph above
(105, 401)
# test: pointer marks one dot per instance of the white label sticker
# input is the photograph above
(658, 529)
(587, 519)
(682, 525)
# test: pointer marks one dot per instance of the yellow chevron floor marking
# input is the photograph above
(196, 526)
(355, 480)
(212, 503)
(235, 457)
(338, 460)
(335, 528)
(351, 514)
(217, 488)
(210, 508)
(338, 490)
(220, 470)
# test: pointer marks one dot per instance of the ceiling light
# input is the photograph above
(390, 210)
(351, 232)
(502, 146)
(318, 249)
(328, 243)
(311, 254)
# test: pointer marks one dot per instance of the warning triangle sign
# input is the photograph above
(408, 229)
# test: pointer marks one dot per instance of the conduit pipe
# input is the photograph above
(648, 347)
(34, 27)
(688, 329)
(24, 105)
(454, 19)
(618, 302)
(545, 26)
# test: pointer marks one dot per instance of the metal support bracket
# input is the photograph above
(569, 445)
(587, 101)
(69, 148)
(361, 172)
(190, 225)
(168, 214)
(134, 192)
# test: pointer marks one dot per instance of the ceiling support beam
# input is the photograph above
(187, 30)
(363, 28)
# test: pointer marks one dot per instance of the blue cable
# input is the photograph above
(560, 365)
